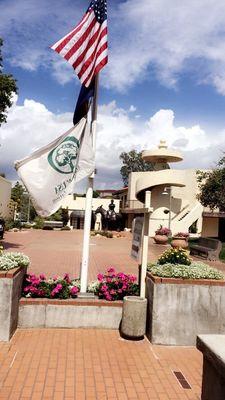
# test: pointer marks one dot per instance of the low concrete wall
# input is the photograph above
(179, 310)
(10, 293)
(213, 380)
(72, 313)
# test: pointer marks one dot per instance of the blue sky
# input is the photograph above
(165, 80)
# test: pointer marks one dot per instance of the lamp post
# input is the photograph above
(167, 191)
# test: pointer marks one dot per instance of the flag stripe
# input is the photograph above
(102, 61)
(91, 49)
(58, 46)
(82, 39)
(85, 48)
(87, 70)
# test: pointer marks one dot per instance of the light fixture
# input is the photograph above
(165, 191)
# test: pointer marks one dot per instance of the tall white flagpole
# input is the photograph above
(88, 201)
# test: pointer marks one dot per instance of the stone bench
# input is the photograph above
(213, 380)
(206, 247)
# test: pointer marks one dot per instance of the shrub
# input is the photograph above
(9, 224)
(163, 231)
(53, 288)
(174, 256)
(39, 223)
(197, 270)
(102, 233)
(65, 228)
(114, 286)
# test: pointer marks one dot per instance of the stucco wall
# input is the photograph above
(210, 227)
(79, 203)
(5, 194)
(178, 312)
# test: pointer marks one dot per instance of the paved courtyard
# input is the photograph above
(92, 364)
(83, 364)
(57, 252)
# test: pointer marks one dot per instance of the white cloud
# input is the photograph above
(32, 125)
(147, 39)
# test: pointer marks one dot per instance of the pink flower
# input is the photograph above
(104, 288)
(100, 277)
(56, 290)
(66, 278)
(111, 270)
(74, 291)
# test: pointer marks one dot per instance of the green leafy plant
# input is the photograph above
(174, 256)
(39, 223)
(197, 270)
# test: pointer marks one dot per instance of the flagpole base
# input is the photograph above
(86, 295)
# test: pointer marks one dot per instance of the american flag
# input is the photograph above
(86, 46)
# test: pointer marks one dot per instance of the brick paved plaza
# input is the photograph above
(57, 252)
(93, 364)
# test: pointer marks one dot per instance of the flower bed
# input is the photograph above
(175, 263)
(110, 286)
(114, 286)
(197, 270)
(53, 288)
(13, 260)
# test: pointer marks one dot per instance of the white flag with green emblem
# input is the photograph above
(50, 172)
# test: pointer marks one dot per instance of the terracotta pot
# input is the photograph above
(179, 242)
(161, 239)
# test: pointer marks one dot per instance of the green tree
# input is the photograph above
(212, 187)
(21, 197)
(132, 162)
(17, 193)
(7, 88)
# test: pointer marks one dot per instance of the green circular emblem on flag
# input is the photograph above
(63, 158)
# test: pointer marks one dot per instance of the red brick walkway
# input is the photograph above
(93, 364)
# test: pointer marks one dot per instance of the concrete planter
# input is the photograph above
(179, 242)
(10, 293)
(71, 313)
(133, 324)
(179, 309)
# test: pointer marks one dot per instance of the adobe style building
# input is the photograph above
(173, 197)
(5, 194)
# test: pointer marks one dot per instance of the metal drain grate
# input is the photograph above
(182, 380)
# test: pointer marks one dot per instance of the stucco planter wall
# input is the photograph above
(10, 293)
(179, 310)
(72, 313)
